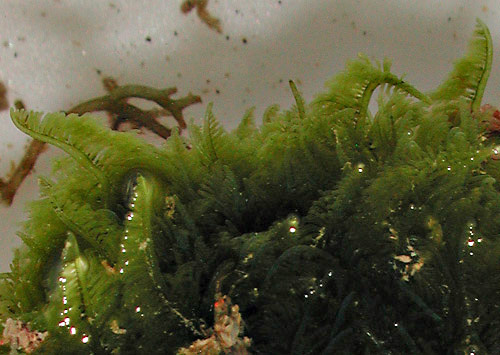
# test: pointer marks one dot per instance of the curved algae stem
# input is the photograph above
(478, 95)
(298, 99)
(20, 120)
(115, 103)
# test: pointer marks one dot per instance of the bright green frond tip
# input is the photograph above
(61, 131)
(470, 75)
(325, 230)
(353, 88)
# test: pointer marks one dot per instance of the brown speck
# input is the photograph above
(19, 104)
(208, 81)
(217, 91)
(244, 40)
(175, 33)
(227, 38)
(98, 71)
(10, 145)
(21, 39)
(279, 2)
(179, 75)
(148, 39)
(43, 14)
(449, 19)
(205, 91)
(364, 33)
(76, 43)
(15, 54)
(281, 81)
(109, 83)
(227, 75)
(67, 86)
(187, 6)
(167, 58)
(4, 104)
(143, 64)
(237, 11)
(12, 168)
(485, 8)
(6, 44)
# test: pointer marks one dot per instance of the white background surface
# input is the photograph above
(50, 51)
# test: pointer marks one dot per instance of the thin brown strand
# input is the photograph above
(202, 12)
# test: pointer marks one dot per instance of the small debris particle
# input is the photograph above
(202, 12)
(187, 6)
(113, 6)
(43, 14)
(208, 81)
(109, 83)
(364, 33)
(227, 38)
(217, 91)
(244, 40)
(148, 39)
(227, 75)
(4, 104)
(19, 104)
(281, 81)
(279, 2)
(10, 145)
(485, 8)
(98, 71)
(6, 44)
(449, 19)
(237, 11)
(15, 54)
(175, 33)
